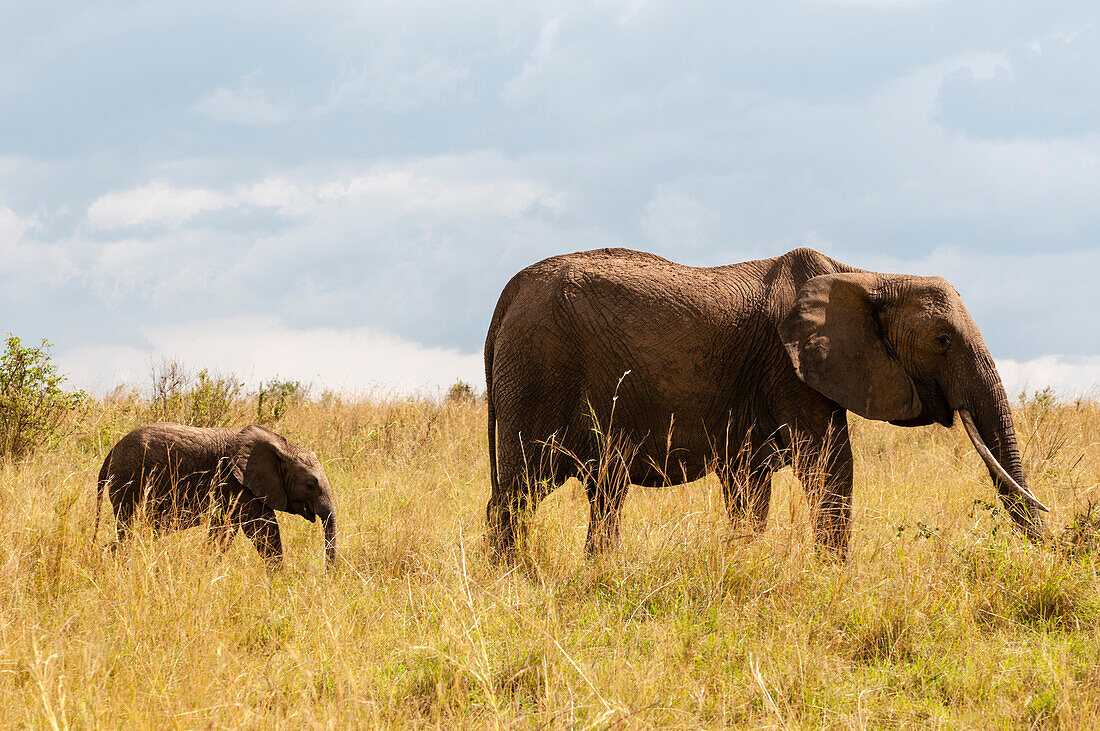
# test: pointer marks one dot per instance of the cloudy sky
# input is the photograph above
(336, 192)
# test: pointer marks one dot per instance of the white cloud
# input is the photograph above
(474, 183)
(24, 262)
(1046, 87)
(152, 270)
(155, 203)
(419, 248)
(246, 105)
(390, 83)
(882, 166)
(287, 197)
(12, 227)
(539, 65)
(260, 348)
(419, 188)
(396, 85)
(1068, 376)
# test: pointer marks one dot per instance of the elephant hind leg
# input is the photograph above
(507, 517)
(510, 510)
(125, 510)
(527, 473)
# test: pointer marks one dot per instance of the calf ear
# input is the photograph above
(834, 341)
(259, 464)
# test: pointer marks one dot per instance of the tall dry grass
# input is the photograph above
(942, 616)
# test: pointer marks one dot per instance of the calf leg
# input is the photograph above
(258, 522)
(221, 531)
(125, 510)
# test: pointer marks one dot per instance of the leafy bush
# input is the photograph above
(213, 398)
(460, 391)
(205, 399)
(276, 398)
(1043, 401)
(32, 402)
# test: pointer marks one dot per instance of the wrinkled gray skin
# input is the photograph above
(730, 367)
(178, 475)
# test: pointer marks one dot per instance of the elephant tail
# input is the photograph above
(492, 426)
(506, 296)
(490, 397)
(101, 488)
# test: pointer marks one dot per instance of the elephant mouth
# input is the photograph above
(304, 510)
(934, 407)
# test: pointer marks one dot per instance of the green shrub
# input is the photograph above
(460, 391)
(276, 398)
(32, 402)
(205, 399)
(214, 398)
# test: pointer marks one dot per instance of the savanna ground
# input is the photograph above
(942, 616)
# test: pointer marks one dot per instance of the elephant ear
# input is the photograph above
(835, 342)
(258, 464)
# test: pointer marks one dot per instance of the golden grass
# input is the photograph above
(942, 616)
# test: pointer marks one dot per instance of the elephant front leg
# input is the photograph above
(258, 522)
(824, 467)
(604, 519)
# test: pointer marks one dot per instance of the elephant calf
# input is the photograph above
(176, 475)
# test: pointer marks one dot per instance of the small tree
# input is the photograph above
(168, 392)
(214, 398)
(32, 402)
(460, 392)
(202, 399)
(276, 397)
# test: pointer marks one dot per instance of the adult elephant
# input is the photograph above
(733, 369)
(176, 476)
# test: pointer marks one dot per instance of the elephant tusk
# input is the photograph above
(994, 465)
(328, 522)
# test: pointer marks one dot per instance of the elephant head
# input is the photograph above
(286, 476)
(904, 349)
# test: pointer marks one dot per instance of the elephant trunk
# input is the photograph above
(993, 434)
(328, 522)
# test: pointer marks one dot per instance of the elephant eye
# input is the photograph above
(943, 340)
